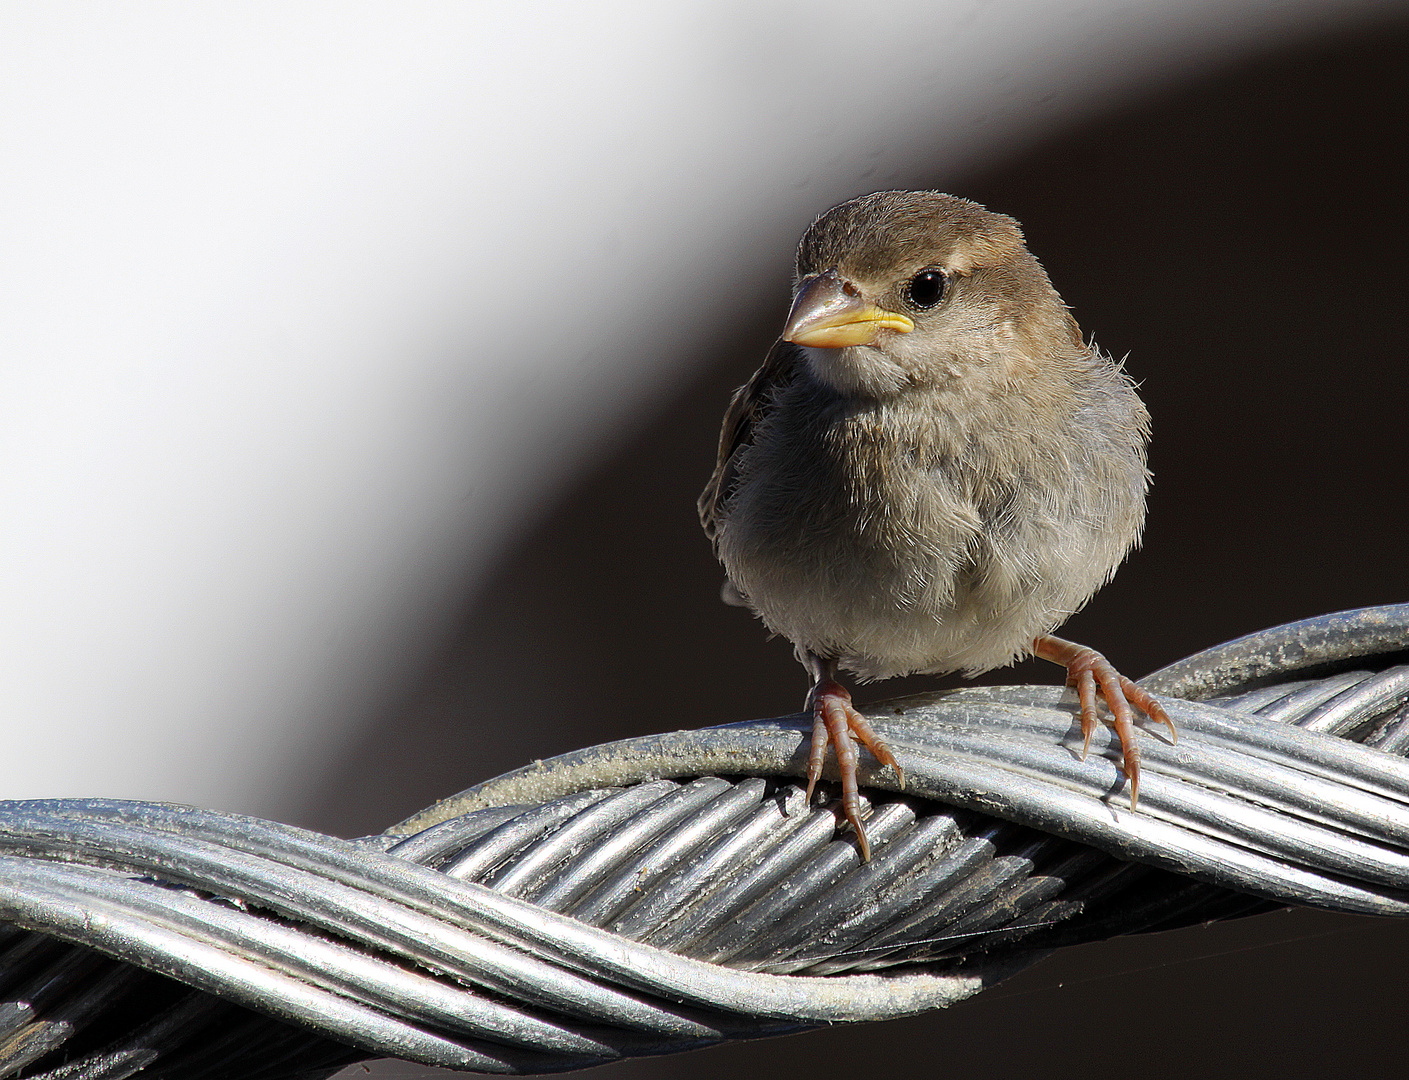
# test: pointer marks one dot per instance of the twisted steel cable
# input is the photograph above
(669, 892)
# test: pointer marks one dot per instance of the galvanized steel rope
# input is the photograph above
(669, 892)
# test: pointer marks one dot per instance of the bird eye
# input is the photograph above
(925, 289)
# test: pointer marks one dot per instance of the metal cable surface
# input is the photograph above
(664, 893)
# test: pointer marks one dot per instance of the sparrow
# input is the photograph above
(931, 471)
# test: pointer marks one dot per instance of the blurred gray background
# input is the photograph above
(361, 363)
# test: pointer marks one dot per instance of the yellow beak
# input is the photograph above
(830, 314)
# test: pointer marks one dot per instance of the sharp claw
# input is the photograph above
(862, 842)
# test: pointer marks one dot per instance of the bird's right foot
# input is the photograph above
(835, 720)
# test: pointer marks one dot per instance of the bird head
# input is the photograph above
(914, 288)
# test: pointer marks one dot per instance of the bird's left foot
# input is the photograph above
(1087, 670)
(835, 720)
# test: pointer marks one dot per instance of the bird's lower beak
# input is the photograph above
(830, 314)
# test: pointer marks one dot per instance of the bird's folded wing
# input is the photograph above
(746, 408)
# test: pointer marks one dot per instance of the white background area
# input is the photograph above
(304, 307)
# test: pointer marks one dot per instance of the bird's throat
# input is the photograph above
(857, 371)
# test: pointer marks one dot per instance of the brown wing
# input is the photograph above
(747, 406)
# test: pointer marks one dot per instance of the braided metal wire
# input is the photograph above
(670, 892)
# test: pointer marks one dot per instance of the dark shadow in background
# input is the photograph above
(1243, 240)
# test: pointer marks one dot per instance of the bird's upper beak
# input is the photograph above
(829, 313)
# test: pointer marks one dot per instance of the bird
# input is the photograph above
(930, 472)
